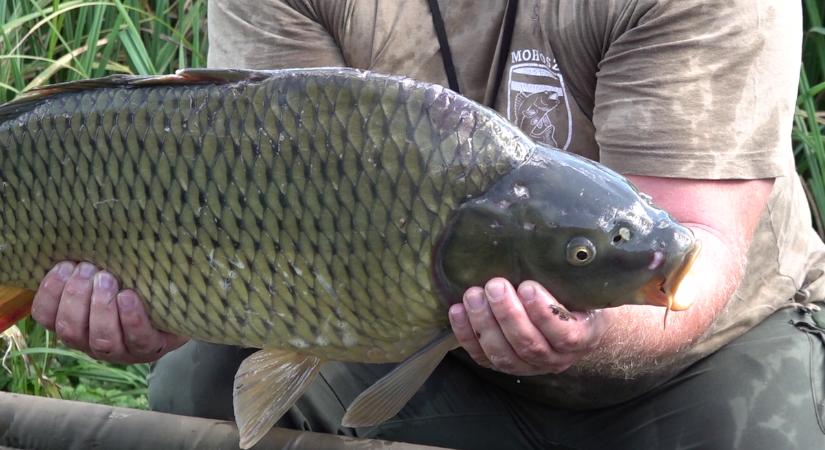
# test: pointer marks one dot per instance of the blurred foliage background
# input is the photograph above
(810, 115)
(48, 41)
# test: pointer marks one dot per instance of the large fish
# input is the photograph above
(325, 214)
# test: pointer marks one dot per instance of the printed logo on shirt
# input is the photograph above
(536, 98)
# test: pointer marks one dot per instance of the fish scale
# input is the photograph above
(181, 191)
(320, 214)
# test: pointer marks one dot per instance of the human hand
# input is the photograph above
(84, 306)
(523, 333)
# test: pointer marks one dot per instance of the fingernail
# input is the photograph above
(104, 284)
(528, 293)
(126, 302)
(475, 301)
(495, 291)
(104, 280)
(86, 270)
(65, 269)
(457, 313)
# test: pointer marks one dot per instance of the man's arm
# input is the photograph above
(520, 334)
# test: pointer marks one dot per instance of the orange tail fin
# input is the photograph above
(15, 304)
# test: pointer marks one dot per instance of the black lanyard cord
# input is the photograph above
(446, 54)
(506, 39)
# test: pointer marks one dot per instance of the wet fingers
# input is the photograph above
(105, 336)
(47, 297)
(141, 339)
(72, 320)
(489, 333)
(565, 331)
(465, 334)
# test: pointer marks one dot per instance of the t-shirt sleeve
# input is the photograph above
(273, 34)
(700, 89)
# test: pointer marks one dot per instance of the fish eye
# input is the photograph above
(580, 251)
(622, 235)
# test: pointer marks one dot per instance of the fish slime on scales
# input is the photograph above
(319, 215)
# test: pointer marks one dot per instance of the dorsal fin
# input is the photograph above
(31, 99)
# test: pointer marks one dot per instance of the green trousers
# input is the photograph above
(765, 390)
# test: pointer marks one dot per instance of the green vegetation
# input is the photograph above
(810, 117)
(49, 41)
(35, 364)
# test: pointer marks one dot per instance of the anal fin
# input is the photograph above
(268, 382)
(15, 304)
(387, 396)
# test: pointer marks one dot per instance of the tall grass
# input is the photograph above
(49, 41)
(33, 363)
(809, 120)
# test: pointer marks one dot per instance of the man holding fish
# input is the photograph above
(692, 100)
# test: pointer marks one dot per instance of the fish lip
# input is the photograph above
(660, 290)
(675, 278)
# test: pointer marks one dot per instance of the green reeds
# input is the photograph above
(50, 41)
(809, 143)
(33, 363)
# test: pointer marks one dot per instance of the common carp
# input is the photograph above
(324, 214)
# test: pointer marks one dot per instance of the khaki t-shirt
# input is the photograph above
(672, 88)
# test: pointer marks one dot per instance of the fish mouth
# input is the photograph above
(661, 291)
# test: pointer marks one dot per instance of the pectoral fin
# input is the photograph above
(266, 385)
(388, 395)
(15, 304)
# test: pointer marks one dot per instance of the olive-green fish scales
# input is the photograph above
(294, 210)
(325, 214)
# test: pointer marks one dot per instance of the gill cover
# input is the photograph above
(477, 245)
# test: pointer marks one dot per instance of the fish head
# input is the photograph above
(579, 229)
(591, 237)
